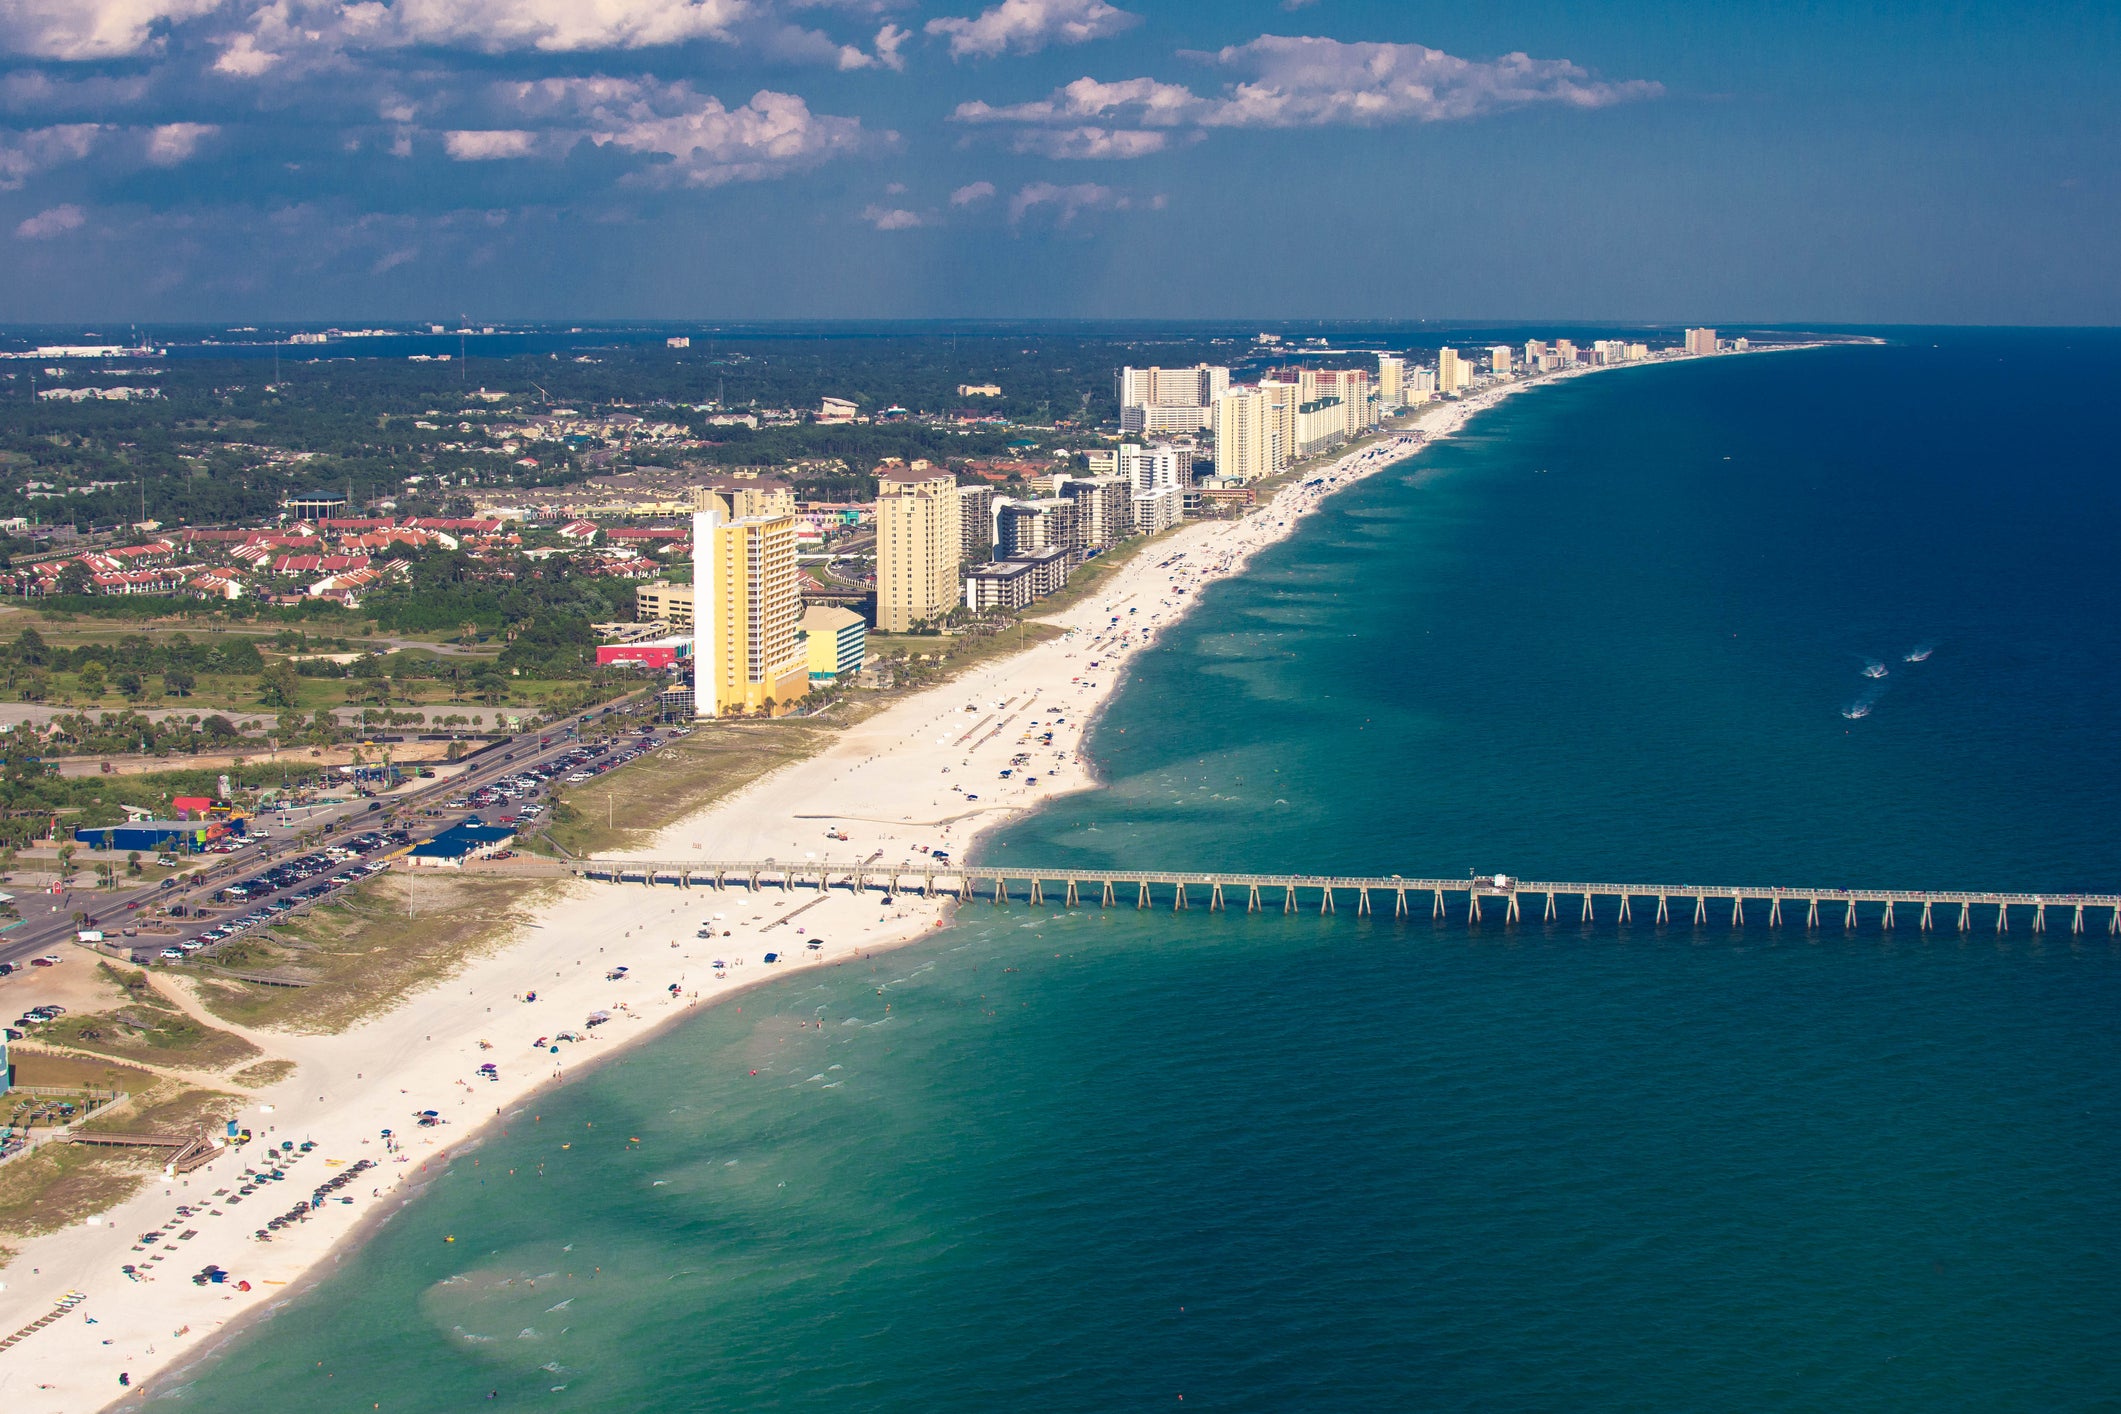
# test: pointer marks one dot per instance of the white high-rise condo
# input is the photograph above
(1170, 400)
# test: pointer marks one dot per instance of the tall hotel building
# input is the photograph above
(920, 546)
(1170, 400)
(746, 657)
(1453, 374)
(1391, 382)
(1250, 439)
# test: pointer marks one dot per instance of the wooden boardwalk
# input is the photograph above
(1501, 898)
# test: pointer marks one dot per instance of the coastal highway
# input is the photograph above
(48, 925)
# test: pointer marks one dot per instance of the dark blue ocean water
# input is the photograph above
(1102, 1161)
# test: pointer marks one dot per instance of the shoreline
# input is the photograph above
(870, 784)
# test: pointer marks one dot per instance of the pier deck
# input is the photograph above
(1470, 899)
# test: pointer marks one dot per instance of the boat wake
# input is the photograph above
(1919, 654)
(1874, 669)
(1856, 711)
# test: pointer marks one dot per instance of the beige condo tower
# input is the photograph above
(919, 546)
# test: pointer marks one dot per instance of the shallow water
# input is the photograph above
(1104, 1160)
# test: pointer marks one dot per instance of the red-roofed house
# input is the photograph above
(218, 584)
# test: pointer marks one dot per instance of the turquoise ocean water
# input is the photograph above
(1112, 1161)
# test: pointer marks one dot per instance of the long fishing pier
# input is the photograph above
(1471, 899)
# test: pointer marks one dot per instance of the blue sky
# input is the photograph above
(695, 159)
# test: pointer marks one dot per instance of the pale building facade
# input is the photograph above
(975, 522)
(1248, 435)
(919, 547)
(835, 642)
(657, 602)
(1157, 478)
(1453, 374)
(1170, 400)
(1391, 382)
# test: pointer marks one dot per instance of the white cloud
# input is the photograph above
(172, 143)
(1145, 101)
(55, 222)
(24, 154)
(706, 144)
(1086, 143)
(555, 26)
(246, 58)
(1296, 83)
(1066, 202)
(312, 33)
(90, 29)
(888, 219)
(1027, 26)
(489, 145)
(1311, 82)
(972, 194)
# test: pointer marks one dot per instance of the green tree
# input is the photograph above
(93, 678)
(74, 579)
(279, 685)
(178, 682)
(218, 728)
(131, 684)
(31, 648)
(132, 863)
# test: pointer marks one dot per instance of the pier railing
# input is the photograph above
(1470, 899)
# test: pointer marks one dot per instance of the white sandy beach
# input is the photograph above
(896, 784)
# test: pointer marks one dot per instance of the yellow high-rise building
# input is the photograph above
(747, 604)
(1453, 373)
(919, 547)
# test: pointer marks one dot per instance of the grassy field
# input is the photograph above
(89, 1072)
(689, 774)
(147, 1027)
(61, 1184)
(383, 941)
(169, 1107)
(235, 696)
(259, 1074)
